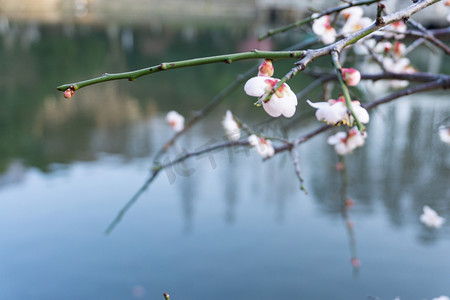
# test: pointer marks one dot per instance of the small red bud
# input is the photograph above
(166, 296)
(69, 93)
(266, 68)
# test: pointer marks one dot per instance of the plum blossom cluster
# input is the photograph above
(391, 56)
(394, 61)
(284, 102)
(353, 21)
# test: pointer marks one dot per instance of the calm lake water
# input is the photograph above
(237, 227)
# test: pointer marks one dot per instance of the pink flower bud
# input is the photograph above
(166, 296)
(351, 76)
(266, 68)
(69, 93)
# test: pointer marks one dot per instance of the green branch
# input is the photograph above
(227, 58)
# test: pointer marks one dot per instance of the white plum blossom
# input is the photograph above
(345, 142)
(262, 146)
(175, 120)
(353, 25)
(444, 134)
(323, 29)
(383, 47)
(399, 27)
(283, 101)
(354, 12)
(335, 111)
(430, 218)
(399, 49)
(231, 127)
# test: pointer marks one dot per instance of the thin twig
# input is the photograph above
(155, 171)
(296, 163)
(212, 104)
(415, 77)
(133, 199)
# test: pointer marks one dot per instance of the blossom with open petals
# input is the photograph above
(345, 142)
(353, 25)
(430, 218)
(175, 120)
(266, 68)
(444, 134)
(262, 146)
(323, 29)
(399, 49)
(399, 27)
(283, 101)
(335, 111)
(351, 76)
(383, 47)
(354, 12)
(231, 127)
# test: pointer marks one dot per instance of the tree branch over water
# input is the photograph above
(277, 98)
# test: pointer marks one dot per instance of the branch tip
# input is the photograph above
(379, 20)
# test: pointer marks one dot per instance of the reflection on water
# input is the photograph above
(236, 227)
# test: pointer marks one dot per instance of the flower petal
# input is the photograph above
(361, 113)
(317, 104)
(256, 86)
(273, 106)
